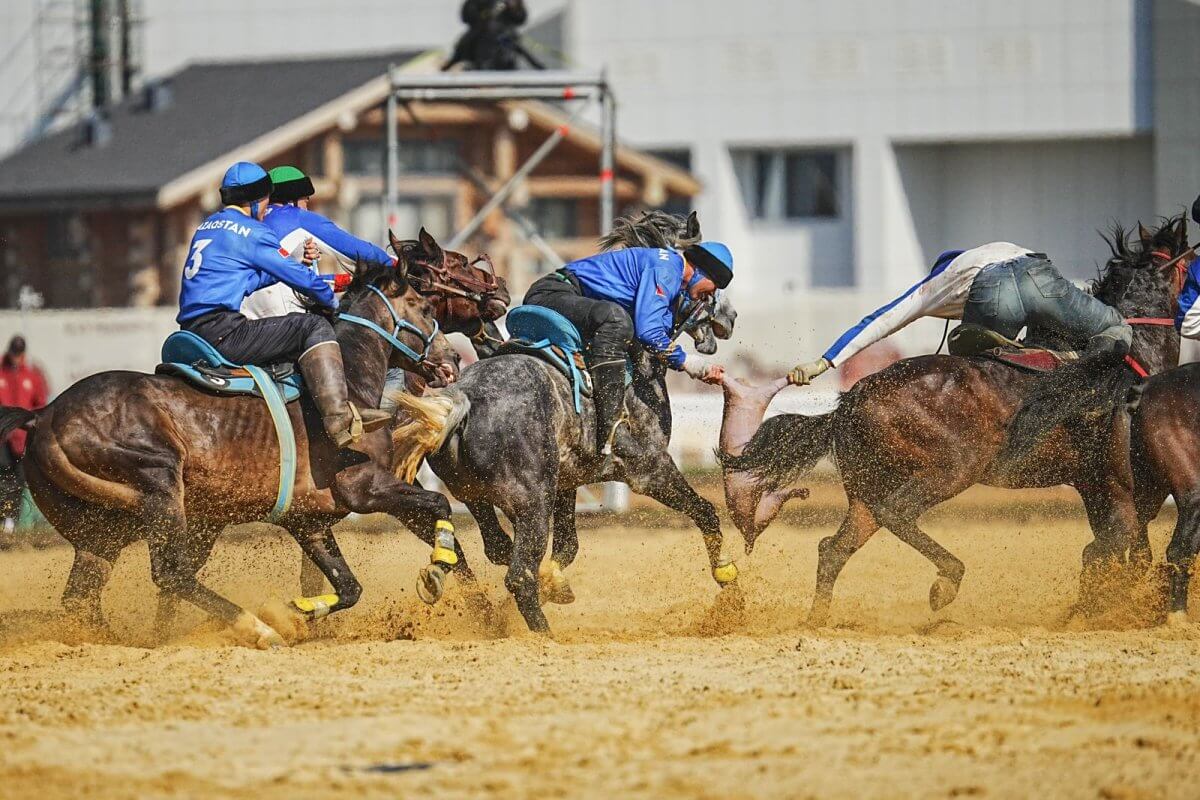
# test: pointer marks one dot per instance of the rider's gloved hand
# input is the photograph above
(702, 369)
(803, 374)
(312, 253)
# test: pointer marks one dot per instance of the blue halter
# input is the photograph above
(401, 325)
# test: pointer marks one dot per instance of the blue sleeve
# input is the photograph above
(652, 306)
(269, 259)
(349, 247)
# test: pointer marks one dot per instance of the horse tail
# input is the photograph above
(784, 448)
(13, 418)
(423, 426)
(1090, 387)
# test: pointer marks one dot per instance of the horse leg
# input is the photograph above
(950, 568)
(427, 514)
(497, 545)
(322, 551)
(1181, 555)
(89, 573)
(312, 579)
(834, 551)
(555, 588)
(1114, 522)
(172, 555)
(531, 535)
(663, 481)
(188, 560)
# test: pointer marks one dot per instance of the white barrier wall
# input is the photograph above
(69, 345)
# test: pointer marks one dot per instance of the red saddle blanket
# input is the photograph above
(1031, 359)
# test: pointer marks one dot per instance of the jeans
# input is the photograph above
(603, 324)
(1029, 291)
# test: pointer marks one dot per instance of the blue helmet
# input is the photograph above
(244, 183)
(714, 260)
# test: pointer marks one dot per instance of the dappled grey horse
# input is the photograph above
(518, 445)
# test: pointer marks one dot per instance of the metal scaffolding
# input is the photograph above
(494, 87)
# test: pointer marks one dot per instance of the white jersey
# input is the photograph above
(942, 293)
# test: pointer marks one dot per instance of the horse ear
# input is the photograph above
(1145, 235)
(691, 228)
(395, 243)
(430, 245)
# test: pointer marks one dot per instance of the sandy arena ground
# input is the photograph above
(650, 688)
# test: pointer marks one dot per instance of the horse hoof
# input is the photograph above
(942, 593)
(553, 586)
(252, 630)
(431, 583)
(1178, 619)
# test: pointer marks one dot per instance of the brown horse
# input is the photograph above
(466, 298)
(924, 429)
(122, 456)
(1165, 453)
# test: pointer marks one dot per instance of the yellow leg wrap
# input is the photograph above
(443, 546)
(725, 573)
(317, 606)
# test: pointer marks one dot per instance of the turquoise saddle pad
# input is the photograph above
(185, 355)
(547, 334)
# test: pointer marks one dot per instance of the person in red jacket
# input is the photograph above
(24, 386)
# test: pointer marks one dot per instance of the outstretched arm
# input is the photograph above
(879, 324)
(653, 317)
(348, 249)
(269, 260)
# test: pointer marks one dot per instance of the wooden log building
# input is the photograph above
(100, 215)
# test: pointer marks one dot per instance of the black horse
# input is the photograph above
(924, 429)
(517, 444)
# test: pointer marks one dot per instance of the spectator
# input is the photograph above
(24, 386)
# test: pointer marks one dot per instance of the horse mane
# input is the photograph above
(381, 276)
(653, 229)
(1115, 282)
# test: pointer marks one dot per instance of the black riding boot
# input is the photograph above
(326, 381)
(608, 394)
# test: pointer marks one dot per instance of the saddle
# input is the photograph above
(975, 340)
(544, 333)
(185, 355)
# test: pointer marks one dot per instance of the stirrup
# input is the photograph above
(622, 419)
(351, 434)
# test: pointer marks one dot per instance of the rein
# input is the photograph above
(400, 325)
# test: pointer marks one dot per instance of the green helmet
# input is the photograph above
(289, 184)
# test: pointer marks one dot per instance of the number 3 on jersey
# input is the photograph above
(193, 265)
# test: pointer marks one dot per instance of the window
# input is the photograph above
(555, 217)
(368, 157)
(782, 185)
(436, 213)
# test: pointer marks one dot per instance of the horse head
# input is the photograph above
(1142, 280)
(467, 296)
(385, 313)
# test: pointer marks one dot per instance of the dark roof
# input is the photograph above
(214, 108)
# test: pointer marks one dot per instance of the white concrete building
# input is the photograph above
(842, 145)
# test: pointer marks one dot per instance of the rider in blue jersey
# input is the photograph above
(618, 296)
(233, 254)
(288, 216)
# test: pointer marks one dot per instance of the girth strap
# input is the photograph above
(287, 439)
